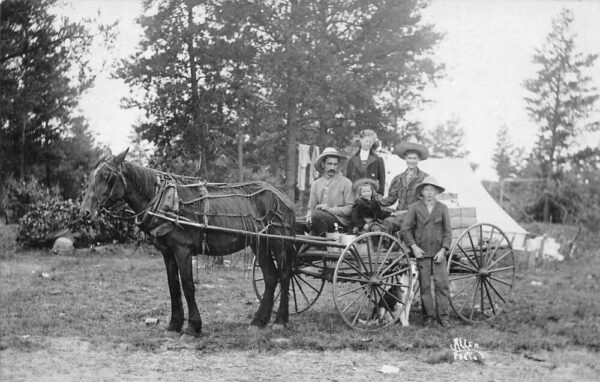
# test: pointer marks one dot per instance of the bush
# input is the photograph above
(20, 196)
(54, 214)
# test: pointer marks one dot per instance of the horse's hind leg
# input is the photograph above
(285, 261)
(263, 314)
(176, 322)
(183, 257)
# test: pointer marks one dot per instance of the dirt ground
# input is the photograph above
(71, 359)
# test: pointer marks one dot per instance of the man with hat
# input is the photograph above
(403, 186)
(427, 231)
(331, 196)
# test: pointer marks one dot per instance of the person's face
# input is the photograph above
(367, 142)
(412, 160)
(429, 192)
(330, 166)
(366, 192)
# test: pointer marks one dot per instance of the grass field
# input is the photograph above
(105, 296)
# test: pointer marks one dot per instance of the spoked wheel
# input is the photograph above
(372, 281)
(481, 270)
(305, 287)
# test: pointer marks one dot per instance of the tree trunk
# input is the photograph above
(291, 139)
(194, 85)
(240, 152)
(22, 153)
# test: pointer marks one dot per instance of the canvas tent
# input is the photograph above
(458, 178)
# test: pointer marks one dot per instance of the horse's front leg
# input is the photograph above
(263, 314)
(183, 256)
(176, 322)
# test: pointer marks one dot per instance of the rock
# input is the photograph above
(63, 246)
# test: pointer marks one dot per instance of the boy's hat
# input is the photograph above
(431, 181)
(403, 148)
(359, 182)
(327, 152)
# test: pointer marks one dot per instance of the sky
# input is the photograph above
(487, 48)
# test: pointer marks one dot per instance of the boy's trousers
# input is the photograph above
(427, 268)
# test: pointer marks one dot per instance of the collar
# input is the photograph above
(364, 154)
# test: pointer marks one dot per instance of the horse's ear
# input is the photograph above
(118, 160)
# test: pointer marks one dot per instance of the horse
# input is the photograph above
(253, 214)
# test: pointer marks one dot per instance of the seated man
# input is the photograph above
(331, 196)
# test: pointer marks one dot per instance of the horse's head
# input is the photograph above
(106, 185)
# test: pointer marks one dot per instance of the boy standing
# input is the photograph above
(427, 231)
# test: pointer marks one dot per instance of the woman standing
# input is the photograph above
(365, 163)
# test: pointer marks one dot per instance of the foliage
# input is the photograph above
(20, 196)
(446, 140)
(561, 100)
(507, 158)
(40, 211)
(54, 214)
(221, 78)
(44, 68)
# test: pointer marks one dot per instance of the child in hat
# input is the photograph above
(426, 229)
(366, 210)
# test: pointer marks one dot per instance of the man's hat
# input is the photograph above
(327, 152)
(359, 182)
(403, 148)
(431, 181)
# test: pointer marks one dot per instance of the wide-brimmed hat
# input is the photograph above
(359, 182)
(431, 181)
(403, 148)
(327, 152)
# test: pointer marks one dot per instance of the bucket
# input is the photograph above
(334, 236)
(347, 239)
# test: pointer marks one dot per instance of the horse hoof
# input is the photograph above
(278, 327)
(187, 338)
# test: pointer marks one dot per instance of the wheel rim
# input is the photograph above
(481, 272)
(305, 289)
(367, 272)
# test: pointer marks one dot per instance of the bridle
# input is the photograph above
(105, 206)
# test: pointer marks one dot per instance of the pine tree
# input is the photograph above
(446, 140)
(561, 100)
(506, 158)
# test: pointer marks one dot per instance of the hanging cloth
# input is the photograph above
(313, 159)
(303, 161)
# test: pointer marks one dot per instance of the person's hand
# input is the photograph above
(439, 255)
(396, 213)
(366, 227)
(323, 207)
(355, 230)
(417, 251)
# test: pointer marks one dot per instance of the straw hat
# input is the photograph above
(431, 181)
(403, 148)
(359, 182)
(327, 152)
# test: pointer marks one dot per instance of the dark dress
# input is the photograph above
(373, 168)
(367, 209)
